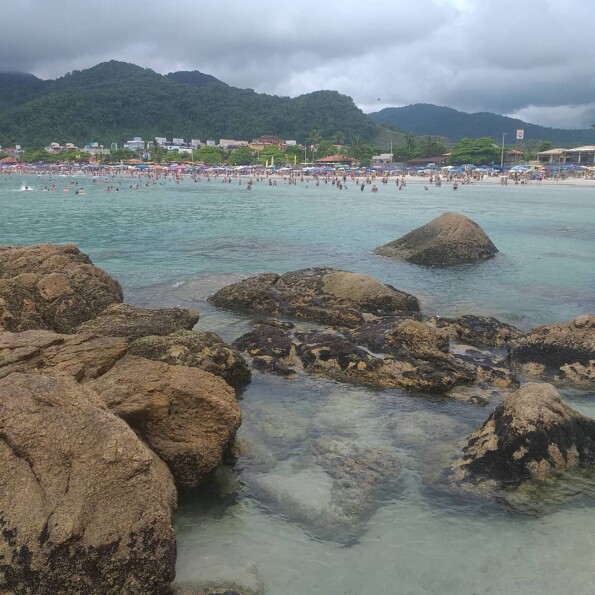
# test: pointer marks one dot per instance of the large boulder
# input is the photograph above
(197, 349)
(187, 416)
(447, 240)
(124, 320)
(51, 287)
(85, 507)
(82, 357)
(558, 351)
(533, 435)
(329, 296)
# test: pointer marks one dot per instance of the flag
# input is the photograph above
(520, 134)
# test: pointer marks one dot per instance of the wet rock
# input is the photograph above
(337, 488)
(341, 359)
(124, 320)
(197, 349)
(477, 330)
(558, 351)
(85, 507)
(271, 349)
(533, 435)
(83, 357)
(52, 288)
(187, 416)
(402, 338)
(449, 239)
(328, 296)
(215, 588)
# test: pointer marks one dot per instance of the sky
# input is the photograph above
(531, 59)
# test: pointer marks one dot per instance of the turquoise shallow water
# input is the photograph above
(177, 243)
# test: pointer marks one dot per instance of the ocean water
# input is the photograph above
(267, 523)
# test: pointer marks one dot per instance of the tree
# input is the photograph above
(338, 138)
(479, 151)
(546, 145)
(242, 156)
(210, 155)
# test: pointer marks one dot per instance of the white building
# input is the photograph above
(136, 144)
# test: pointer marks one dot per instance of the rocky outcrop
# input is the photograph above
(449, 239)
(477, 330)
(124, 320)
(51, 287)
(187, 416)
(410, 363)
(85, 507)
(82, 357)
(197, 349)
(328, 296)
(558, 351)
(533, 435)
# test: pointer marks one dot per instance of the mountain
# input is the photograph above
(427, 119)
(17, 79)
(114, 101)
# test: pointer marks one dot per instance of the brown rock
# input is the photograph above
(558, 351)
(124, 320)
(447, 240)
(83, 357)
(197, 349)
(85, 507)
(338, 298)
(51, 287)
(187, 416)
(532, 435)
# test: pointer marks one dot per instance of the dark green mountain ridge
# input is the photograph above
(114, 101)
(428, 119)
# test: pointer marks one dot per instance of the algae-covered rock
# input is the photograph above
(449, 239)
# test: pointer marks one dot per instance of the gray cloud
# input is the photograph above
(531, 59)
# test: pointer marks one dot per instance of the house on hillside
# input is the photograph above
(336, 160)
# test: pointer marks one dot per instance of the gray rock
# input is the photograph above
(132, 322)
(328, 296)
(449, 239)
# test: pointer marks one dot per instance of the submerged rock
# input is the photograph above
(478, 330)
(52, 288)
(337, 488)
(328, 296)
(83, 357)
(449, 239)
(85, 506)
(197, 349)
(559, 351)
(533, 435)
(124, 320)
(187, 416)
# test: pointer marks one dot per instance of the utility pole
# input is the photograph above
(502, 155)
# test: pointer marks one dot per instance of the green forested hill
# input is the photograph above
(422, 118)
(114, 101)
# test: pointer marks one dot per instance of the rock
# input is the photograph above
(558, 351)
(124, 320)
(449, 239)
(187, 416)
(52, 288)
(85, 507)
(197, 349)
(337, 488)
(533, 435)
(328, 296)
(83, 357)
(477, 330)
(271, 349)
(341, 359)
(215, 588)
(401, 337)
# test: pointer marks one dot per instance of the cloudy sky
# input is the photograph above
(533, 59)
